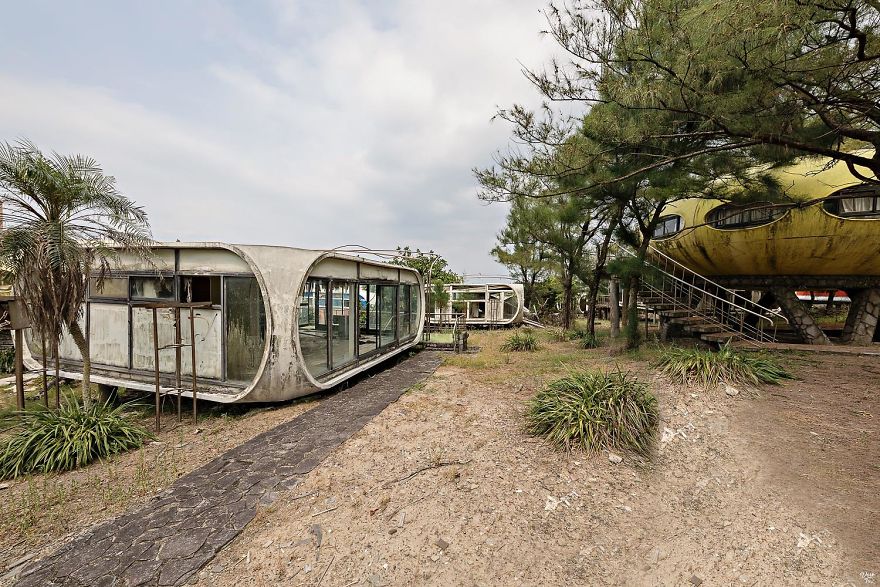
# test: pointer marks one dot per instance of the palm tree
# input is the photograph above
(64, 223)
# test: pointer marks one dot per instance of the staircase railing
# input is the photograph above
(677, 285)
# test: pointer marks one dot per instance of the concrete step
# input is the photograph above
(676, 313)
(689, 319)
(722, 337)
(704, 328)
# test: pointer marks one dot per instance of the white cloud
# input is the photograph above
(346, 124)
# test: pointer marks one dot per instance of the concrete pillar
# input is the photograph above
(861, 321)
(799, 317)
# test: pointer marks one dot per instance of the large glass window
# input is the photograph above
(152, 288)
(667, 226)
(111, 287)
(729, 216)
(511, 305)
(415, 301)
(245, 328)
(313, 327)
(859, 201)
(403, 313)
(344, 325)
(369, 332)
(387, 314)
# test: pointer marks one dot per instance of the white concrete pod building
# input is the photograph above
(282, 322)
(487, 304)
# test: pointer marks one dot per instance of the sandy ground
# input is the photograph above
(38, 512)
(445, 488)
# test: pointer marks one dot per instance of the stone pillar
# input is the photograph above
(861, 321)
(799, 317)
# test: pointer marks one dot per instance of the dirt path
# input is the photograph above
(176, 533)
(389, 510)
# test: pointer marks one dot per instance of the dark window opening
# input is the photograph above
(152, 288)
(730, 216)
(200, 288)
(856, 202)
(667, 226)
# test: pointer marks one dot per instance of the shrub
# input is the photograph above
(67, 438)
(709, 369)
(594, 410)
(521, 341)
(587, 340)
(7, 360)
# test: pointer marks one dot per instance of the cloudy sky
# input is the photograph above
(302, 122)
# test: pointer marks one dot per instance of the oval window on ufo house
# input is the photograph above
(731, 216)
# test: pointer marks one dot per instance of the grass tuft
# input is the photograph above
(524, 340)
(586, 340)
(65, 439)
(595, 410)
(710, 369)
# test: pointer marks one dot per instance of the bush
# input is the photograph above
(587, 340)
(595, 410)
(521, 341)
(7, 360)
(67, 438)
(709, 369)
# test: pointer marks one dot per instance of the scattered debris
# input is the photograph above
(5, 485)
(615, 458)
(551, 504)
(318, 533)
(441, 544)
(336, 507)
(730, 390)
(804, 540)
(695, 580)
(435, 465)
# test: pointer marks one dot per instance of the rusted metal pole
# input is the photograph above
(19, 370)
(177, 358)
(57, 375)
(45, 377)
(192, 346)
(156, 366)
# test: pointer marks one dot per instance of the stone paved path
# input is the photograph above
(174, 535)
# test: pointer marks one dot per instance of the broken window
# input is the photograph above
(245, 328)
(200, 288)
(111, 287)
(152, 288)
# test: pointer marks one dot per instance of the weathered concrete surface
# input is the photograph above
(799, 317)
(861, 321)
(170, 538)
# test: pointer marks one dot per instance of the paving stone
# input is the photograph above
(171, 537)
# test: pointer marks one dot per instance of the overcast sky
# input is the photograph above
(304, 123)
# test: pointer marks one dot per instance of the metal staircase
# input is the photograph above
(701, 306)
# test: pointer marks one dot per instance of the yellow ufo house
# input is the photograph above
(825, 235)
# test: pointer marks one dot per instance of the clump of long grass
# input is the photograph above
(595, 410)
(586, 340)
(67, 438)
(524, 340)
(710, 369)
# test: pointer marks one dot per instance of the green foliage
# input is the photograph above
(7, 360)
(595, 410)
(428, 264)
(68, 438)
(709, 369)
(586, 340)
(524, 340)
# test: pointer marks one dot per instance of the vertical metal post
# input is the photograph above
(57, 375)
(177, 358)
(192, 346)
(45, 378)
(156, 366)
(19, 370)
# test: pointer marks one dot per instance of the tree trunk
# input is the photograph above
(567, 284)
(614, 306)
(82, 344)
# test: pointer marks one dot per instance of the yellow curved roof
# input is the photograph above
(806, 241)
